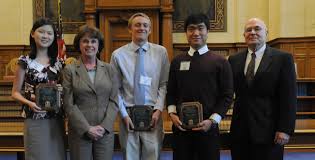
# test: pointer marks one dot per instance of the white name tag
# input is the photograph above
(184, 66)
(145, 80)
(37, 66)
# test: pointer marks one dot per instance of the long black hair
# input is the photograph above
(52, 49)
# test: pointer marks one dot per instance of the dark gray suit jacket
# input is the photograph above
(88, 104)
(269, 104)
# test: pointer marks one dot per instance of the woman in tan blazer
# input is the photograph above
(90, 99)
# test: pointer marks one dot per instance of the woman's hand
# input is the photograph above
(60, 88)
(96, 132)
(34, 107)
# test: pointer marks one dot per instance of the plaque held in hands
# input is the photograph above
(191, 114)
(141, 117)
(48, 97)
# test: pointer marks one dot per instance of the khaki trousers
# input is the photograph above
(142, 145)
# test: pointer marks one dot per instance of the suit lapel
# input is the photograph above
(265, 62)
(81, 71)
(99, 74)
(241, 64)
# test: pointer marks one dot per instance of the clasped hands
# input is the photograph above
(205, 125)
(96, 132)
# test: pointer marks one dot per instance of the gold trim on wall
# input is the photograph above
(217, 24)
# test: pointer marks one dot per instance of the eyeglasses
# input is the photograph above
(256, 29)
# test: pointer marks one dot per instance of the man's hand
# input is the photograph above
(128, 123)
(205, 125)
(155, 118)
(281, 138)
(177, 123)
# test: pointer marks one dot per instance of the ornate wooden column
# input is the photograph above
(90, 12)
(167, 26)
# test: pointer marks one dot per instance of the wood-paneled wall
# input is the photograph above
(8, 52)
(303, 50)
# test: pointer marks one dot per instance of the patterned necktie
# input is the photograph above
(139, 91)
(250, 73)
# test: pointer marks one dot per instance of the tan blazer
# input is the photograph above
(87, 104)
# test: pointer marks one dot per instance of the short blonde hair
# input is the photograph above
(139, 14)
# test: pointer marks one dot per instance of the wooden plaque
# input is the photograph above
(141, 117)
(48, 97)
(191, 114)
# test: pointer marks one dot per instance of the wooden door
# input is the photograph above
(114, 26)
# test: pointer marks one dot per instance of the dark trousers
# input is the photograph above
(192, 145)
(243, 149)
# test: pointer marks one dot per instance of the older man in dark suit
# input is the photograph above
(265, 102)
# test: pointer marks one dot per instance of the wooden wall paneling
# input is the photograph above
(90, 5)
(288, 47)
(127, 4)
(300, 61)
(8, 52)
(303, 49)
(224, 49)
(222, 52)
(167, 29)
(115, 33)
(300, 56)
(155, 28)
(312, 63)
(310, 50)
(90, 12)
(167, 37)
(239, 47)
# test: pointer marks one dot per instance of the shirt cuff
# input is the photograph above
(122, 108)
(171, 109)
(158, 108)
(216, 117)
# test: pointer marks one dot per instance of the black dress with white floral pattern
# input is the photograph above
(36, 73)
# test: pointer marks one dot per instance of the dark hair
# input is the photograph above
(197, 19)
(92, 32)
(52, 49)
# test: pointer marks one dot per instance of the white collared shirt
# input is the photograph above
(259, 54)
(156, 68)
(201, 51)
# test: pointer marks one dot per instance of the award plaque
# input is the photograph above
(48, 97)
(141, 117)
(190, 114)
